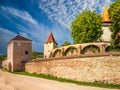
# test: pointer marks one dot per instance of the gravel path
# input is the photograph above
(9, 81)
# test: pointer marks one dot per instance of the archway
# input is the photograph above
(107, 49)
(57, 53)
(91, 49)
(71, 51)
(9, 67)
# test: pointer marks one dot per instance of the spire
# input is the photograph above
(50, 38)
(105, 16)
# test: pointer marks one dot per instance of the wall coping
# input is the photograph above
(72, 57)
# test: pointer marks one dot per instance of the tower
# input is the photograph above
(19, 50)
(49, 45)
(106, 23)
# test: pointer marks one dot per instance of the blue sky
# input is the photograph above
(35, 19)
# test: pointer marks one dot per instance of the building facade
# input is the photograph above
(19, 50)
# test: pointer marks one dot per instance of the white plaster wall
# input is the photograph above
(48, 47)
(106, 33)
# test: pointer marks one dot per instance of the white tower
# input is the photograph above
(49, 45)
(106, 23)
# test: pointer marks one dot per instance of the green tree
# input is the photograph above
(114, 12)
(66, 43)
(37, 55)
(86, 27)
(2, 57)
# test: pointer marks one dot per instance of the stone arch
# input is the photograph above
(71, 51)
(107, 49)
(9, 67)
(90, 49)
(57, 53)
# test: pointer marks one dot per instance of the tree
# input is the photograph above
(66, 43)
(37, 55)
(86, 27)
(114, 12)
(2, 57)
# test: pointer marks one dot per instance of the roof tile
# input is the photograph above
(50, 38)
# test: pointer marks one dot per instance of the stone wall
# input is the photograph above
(104, 69)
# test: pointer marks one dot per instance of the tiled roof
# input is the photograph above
(18, 37)
(105, 16)
(50, 38)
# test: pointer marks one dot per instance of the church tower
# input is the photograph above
(49, 45)
(19, 50)
(106, 23)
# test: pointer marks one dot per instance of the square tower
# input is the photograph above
(19, 50)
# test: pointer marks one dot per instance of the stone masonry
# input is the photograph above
(104, 69)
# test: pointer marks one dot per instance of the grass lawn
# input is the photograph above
(50, 77)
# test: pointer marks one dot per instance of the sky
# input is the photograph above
(35, 19)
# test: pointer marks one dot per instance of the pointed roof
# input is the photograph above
(105, 16)
(18, 37)
(50, 38)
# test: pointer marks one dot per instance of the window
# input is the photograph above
(26, 52)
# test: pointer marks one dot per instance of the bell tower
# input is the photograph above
(49, 45)
(106, 23)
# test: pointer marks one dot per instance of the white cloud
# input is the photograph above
(64, 11)
(20, 14)
(5, 37)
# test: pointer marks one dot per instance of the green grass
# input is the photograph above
(50, 77)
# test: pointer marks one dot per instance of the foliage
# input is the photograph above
(66, 43)
(2, 57)
(37, 55)
(114, 12)
(50, 77)
(86, 27)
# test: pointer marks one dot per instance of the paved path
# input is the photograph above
(9, 81)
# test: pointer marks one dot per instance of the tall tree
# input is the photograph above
(114, 12)
(86, 27)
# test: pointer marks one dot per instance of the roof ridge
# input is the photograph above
(19, 37)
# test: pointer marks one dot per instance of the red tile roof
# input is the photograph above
(50, 38)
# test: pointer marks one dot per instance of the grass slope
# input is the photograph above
(50, 77)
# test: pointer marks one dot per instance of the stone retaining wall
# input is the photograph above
(104, 69)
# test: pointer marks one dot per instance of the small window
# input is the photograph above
(26, 52)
